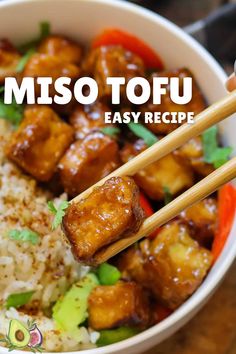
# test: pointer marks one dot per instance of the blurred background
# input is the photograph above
(213, 330)
(216, 26)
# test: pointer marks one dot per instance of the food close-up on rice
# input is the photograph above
(58, 292)
(47, 268)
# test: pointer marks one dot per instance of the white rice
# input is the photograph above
(48, 268)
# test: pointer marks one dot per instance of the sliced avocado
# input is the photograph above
(18, 334)
(71, 310)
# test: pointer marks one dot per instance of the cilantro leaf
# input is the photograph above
(167, 195)
(111, 131)
(58, 212)
(52, 207)
(221, 155)
(24, 235)
(142, 132)
(213, 153)
(12, 112)
(24, 59)
(18, 300)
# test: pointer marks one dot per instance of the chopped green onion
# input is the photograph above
(221, 155)
(142, 132)
(12, 112)
(111, 131)
(108, 274)
(212, 152)
(58, 212)
(44, 32)
(45, 29)
(25, 235)
(24, 59)
(18, 300)
(110, 336)
(167, 195)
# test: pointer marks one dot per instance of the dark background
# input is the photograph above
(185, 12)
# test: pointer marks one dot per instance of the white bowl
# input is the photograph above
(82, 20)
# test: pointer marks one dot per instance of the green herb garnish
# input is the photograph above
(2, 88)
(111, 131)
(25, 235)
(213, 153)
(142, 132)
(45, 29)
(24, 59)
(58, 212)
(167, 195)
(44, 32)
(108, 274)
(110, 336)
(12, 112)
(18, 300)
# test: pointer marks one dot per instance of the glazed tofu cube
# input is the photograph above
(63, 48)
(177, 265)
(122, 304)
(46, 65)
(196, 105)
(39, 142)
(192, 154)
(112, 61)
(9, 58)
(109, 213)
(89, 118)
(130, 262)
(167, 172)
(87, 161)
(202, 220)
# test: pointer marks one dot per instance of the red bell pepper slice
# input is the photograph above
(226, 214)
(145, 204)
(128, 41)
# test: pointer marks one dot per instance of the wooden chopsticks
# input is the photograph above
(211, 116)
(199, 191)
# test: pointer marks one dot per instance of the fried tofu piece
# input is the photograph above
(39, 142)
(166, 172)
(130, 262)
(177, 265)
(196, 105)
(63, 48)
(112, 61)
(110, 212)
(122, 304)
(47, 65)
(89, 118)
(192, 154)
(202, 220)
(9, 58)
(87, 161)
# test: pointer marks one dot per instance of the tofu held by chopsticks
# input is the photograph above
(110, 212)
